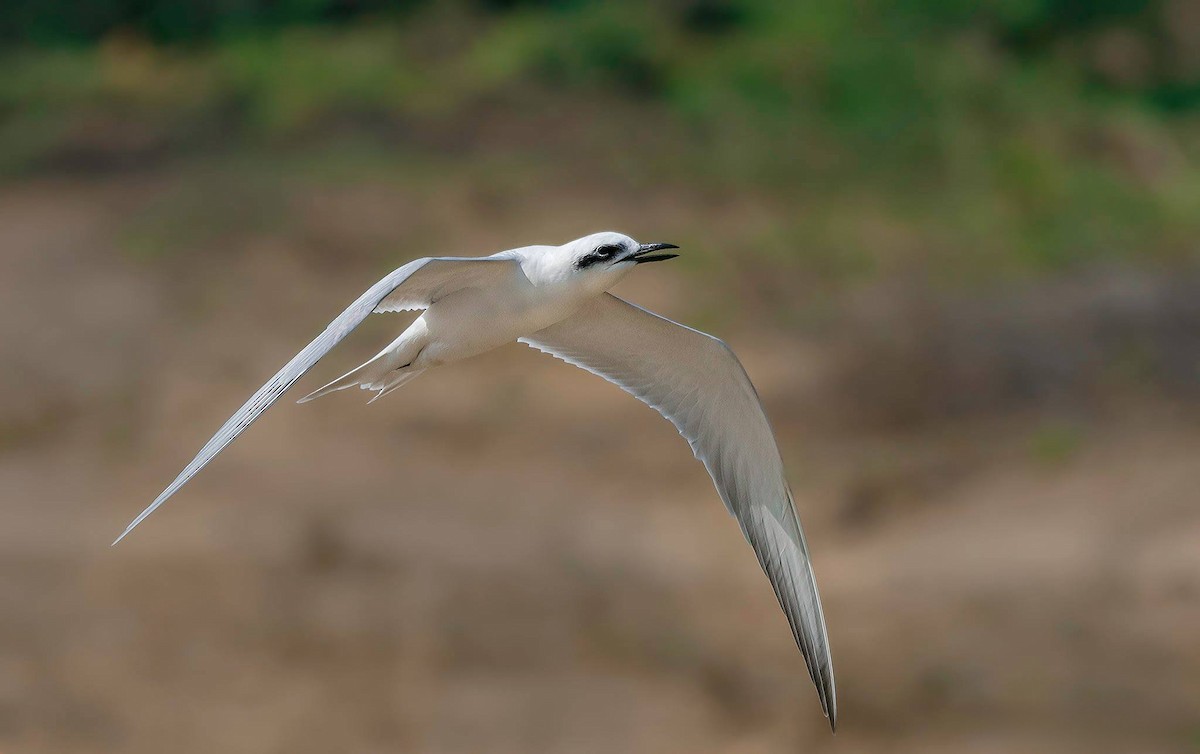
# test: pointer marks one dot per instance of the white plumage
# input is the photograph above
(555, 299)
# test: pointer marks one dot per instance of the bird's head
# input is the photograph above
(605, 257)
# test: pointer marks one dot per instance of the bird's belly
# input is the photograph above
(471, 322)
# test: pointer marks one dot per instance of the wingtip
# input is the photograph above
(829, 701)
(827, 696)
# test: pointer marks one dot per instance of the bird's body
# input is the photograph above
(555, 299)
(525, 295)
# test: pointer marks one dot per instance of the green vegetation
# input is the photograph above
(1055, 444)
(959, 139)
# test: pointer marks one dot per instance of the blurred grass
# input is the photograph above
(1055, 444)
(961, 142)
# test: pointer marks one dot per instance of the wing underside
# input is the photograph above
(696, 382)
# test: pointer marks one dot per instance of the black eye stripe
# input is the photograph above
(600, 254)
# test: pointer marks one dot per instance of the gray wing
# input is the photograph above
(696, 381)
(415, 285)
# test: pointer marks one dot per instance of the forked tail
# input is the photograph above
(372, 375)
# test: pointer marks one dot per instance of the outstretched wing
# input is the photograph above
(696, 381)
(414, 286)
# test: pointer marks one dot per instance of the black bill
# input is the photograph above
(645, 252)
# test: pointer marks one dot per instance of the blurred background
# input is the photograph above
(955, 244)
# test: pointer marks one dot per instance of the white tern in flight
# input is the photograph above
(555, 299)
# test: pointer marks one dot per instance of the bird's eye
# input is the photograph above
(599, 254)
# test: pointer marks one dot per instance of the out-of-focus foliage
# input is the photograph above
(995, 136)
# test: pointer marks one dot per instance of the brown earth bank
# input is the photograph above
(509, 555)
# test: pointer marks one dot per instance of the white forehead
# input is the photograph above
(603, 238)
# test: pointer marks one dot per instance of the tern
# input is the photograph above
(556, 299)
